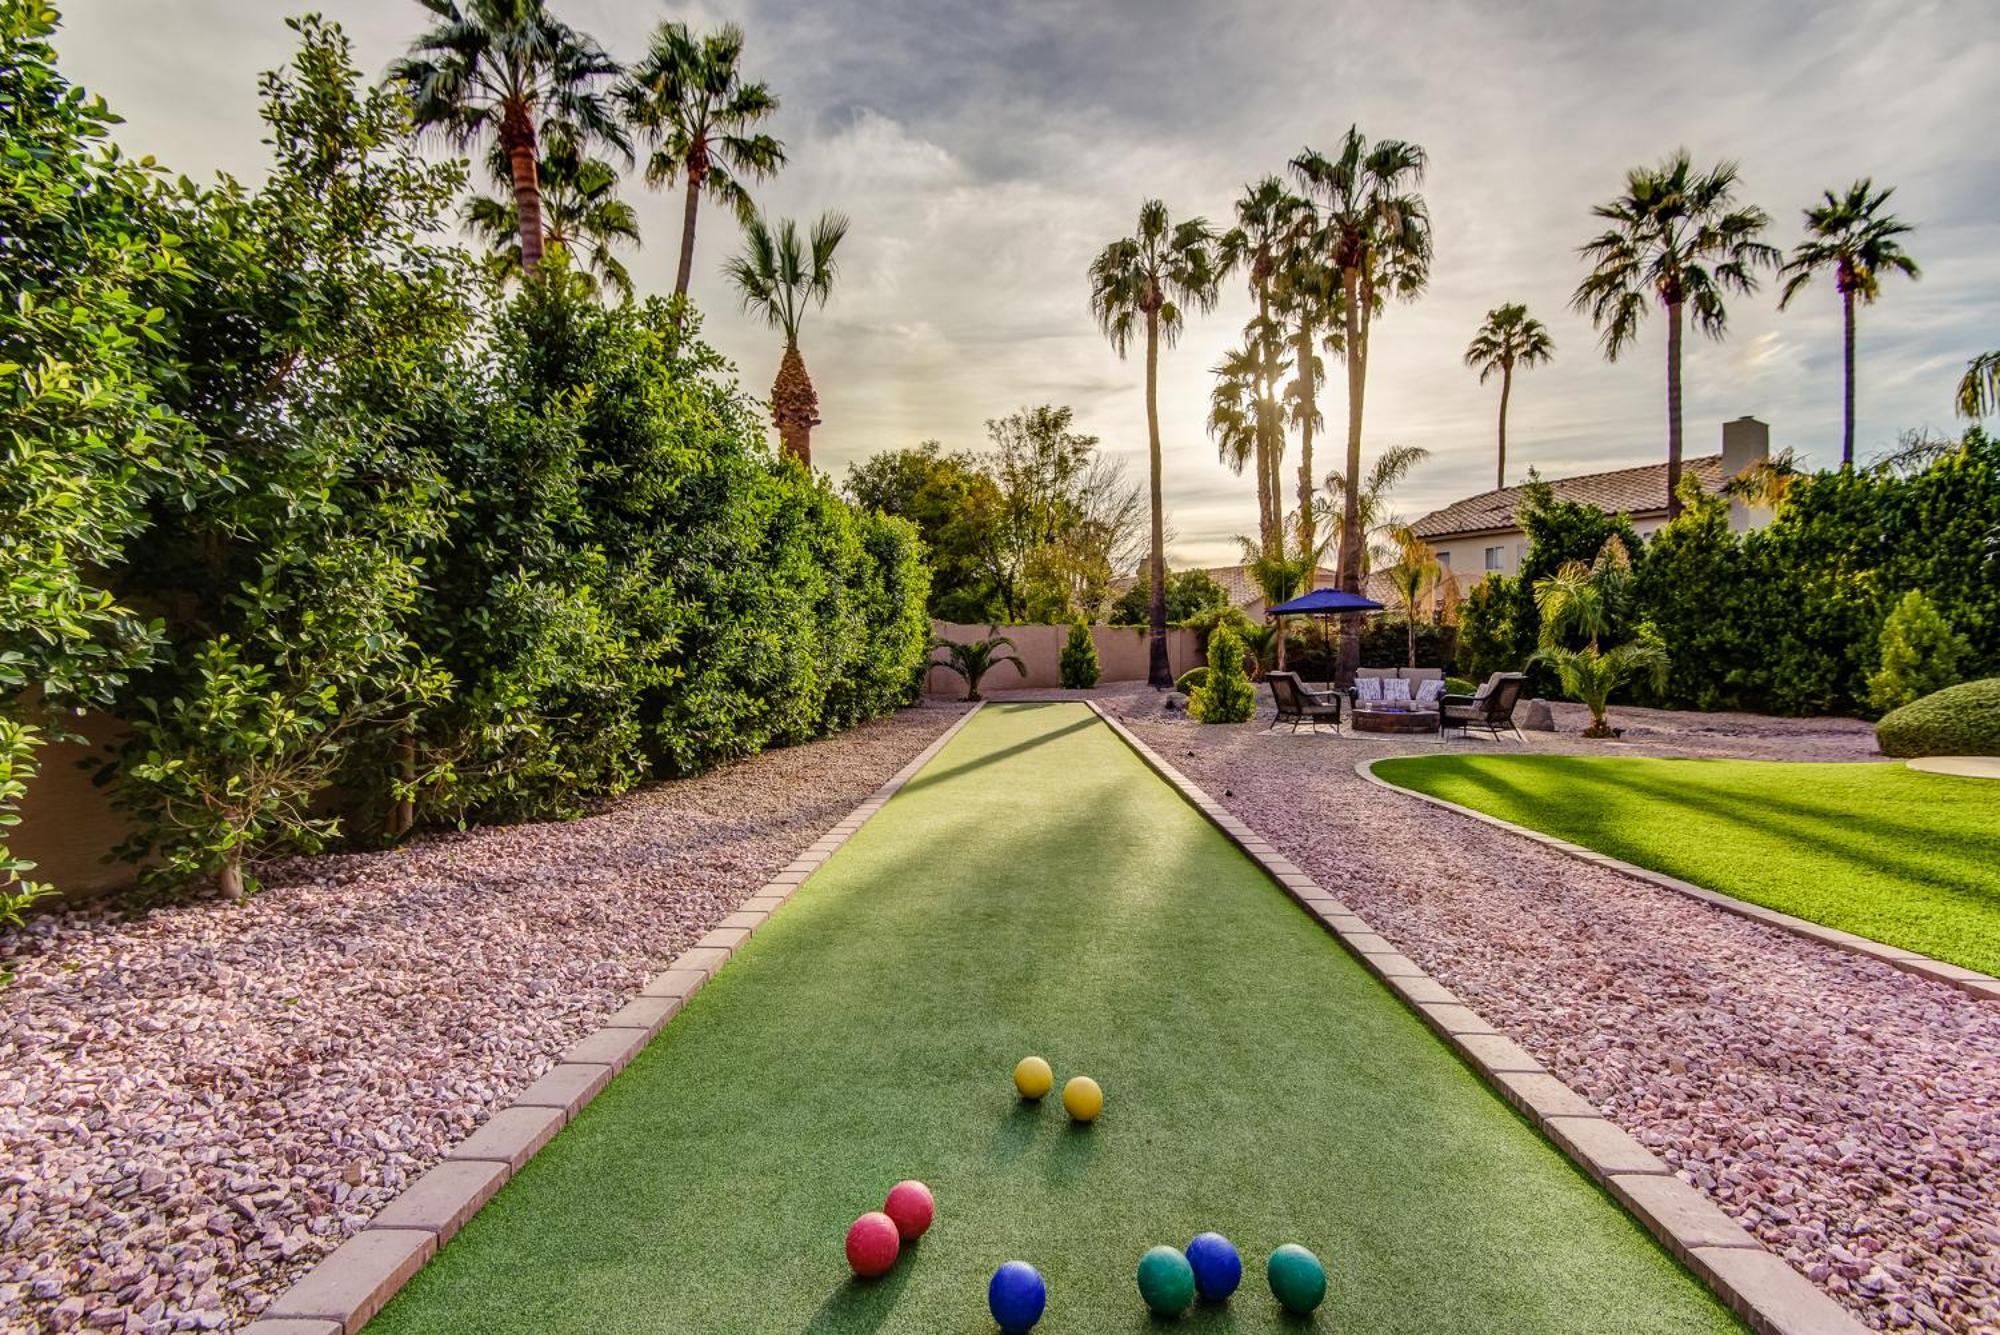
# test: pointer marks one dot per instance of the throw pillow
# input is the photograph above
(1428, 693)
(1395, 691)
(1368, 690)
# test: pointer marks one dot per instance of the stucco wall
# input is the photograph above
(67, 824)
(1121, 655)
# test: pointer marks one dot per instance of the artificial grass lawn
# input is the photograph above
(1881, 850)
(1037, 889)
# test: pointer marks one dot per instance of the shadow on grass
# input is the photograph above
(931, 775)
(860, 1305)
(1017, 1130)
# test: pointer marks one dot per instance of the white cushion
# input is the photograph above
(1368, 690)
(1428, 693)
(1396, 691)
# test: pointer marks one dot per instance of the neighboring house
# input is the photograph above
(1482, 534)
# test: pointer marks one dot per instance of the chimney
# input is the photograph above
(1745, 441)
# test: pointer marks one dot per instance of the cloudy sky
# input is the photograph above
(986, 151)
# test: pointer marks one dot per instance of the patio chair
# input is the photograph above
(1298, 703)
(1491, 707)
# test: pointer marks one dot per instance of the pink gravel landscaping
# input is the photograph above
(198, 1104)
(1846, 1113)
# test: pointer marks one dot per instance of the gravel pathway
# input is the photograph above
(198, 1104)
(1845, 1112)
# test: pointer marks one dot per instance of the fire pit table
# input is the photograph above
(1388, 719)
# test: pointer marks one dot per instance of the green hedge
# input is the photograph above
(411, 553)
(1961, 720)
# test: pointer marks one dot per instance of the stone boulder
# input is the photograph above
(1535, 716)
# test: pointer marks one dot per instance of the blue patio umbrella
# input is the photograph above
(1325, 604)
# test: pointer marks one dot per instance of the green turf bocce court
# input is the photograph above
(1037, 889)
(1881, 850)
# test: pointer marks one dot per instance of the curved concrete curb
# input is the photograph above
(340, 1294)
(1963, 767)
(1970, 981)
(1757, 1284)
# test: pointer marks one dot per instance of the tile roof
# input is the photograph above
(1632, 491)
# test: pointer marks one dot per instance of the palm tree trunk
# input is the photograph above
(1506, 388)
(1158, 670)
(1411, 624)
(1350, 523)
(686, 269)
(1309, 402)
(1847, 432)
(527, 200)
(1673, 409)
(1267, 497)
(794, 406)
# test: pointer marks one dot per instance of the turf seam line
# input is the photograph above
(345, 1290)
(1755, 1283)
(1969, 981)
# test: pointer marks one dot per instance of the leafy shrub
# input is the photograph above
(1486, 629)
(1190, 594)
(1190, 679)
(1920, 654)
(416, 558)
(1227, 696)
(1460, 686)
(1079, 666)
(1385, 643)
(1961, 720)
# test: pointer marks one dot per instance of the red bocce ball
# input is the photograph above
(872, 1244)
(912, 1208)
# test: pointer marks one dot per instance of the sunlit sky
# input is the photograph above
(985, 152)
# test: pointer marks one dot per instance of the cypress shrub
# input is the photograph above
(1078, 666)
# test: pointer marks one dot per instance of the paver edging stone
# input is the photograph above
(1756, 1284)
(1970, 981)
(346, 1289)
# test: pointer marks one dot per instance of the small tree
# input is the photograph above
(1921, 653)
(1079, 659)
(1588, 600)
(1227, 696)
(973, 659)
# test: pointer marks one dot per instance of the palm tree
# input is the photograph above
(1144, 280)
(1413, 577)
(780, 274)
(1510, 337)
(1850, 235)
(1979, 388)
(1244, 420)
(973, 659)
(1589, 600)
(1268, 217)
(1676, 237)
(581, 213)
(690, 98)
(510, 69)
(1310, 299)
(1379, 236)
(1375, 527)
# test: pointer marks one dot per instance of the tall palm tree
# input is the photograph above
(1510, 337)
(1310, 300)
(511, 70)
(1979, 388)
(690, 98)
(780, 273)
(1851, 235)
(1241, 417)
(581, 212)
(1375, 527)
(1143, 281)
(1676, 237)
(1268, 217)
(1379, 236)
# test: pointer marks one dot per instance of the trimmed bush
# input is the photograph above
(1190, 679)
(1920, 654)
(1079, 667)
(1227, 696)
(1460, 686)
(1957, 721)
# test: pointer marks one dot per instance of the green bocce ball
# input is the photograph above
(1298, 1280)
(1166, 1281)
